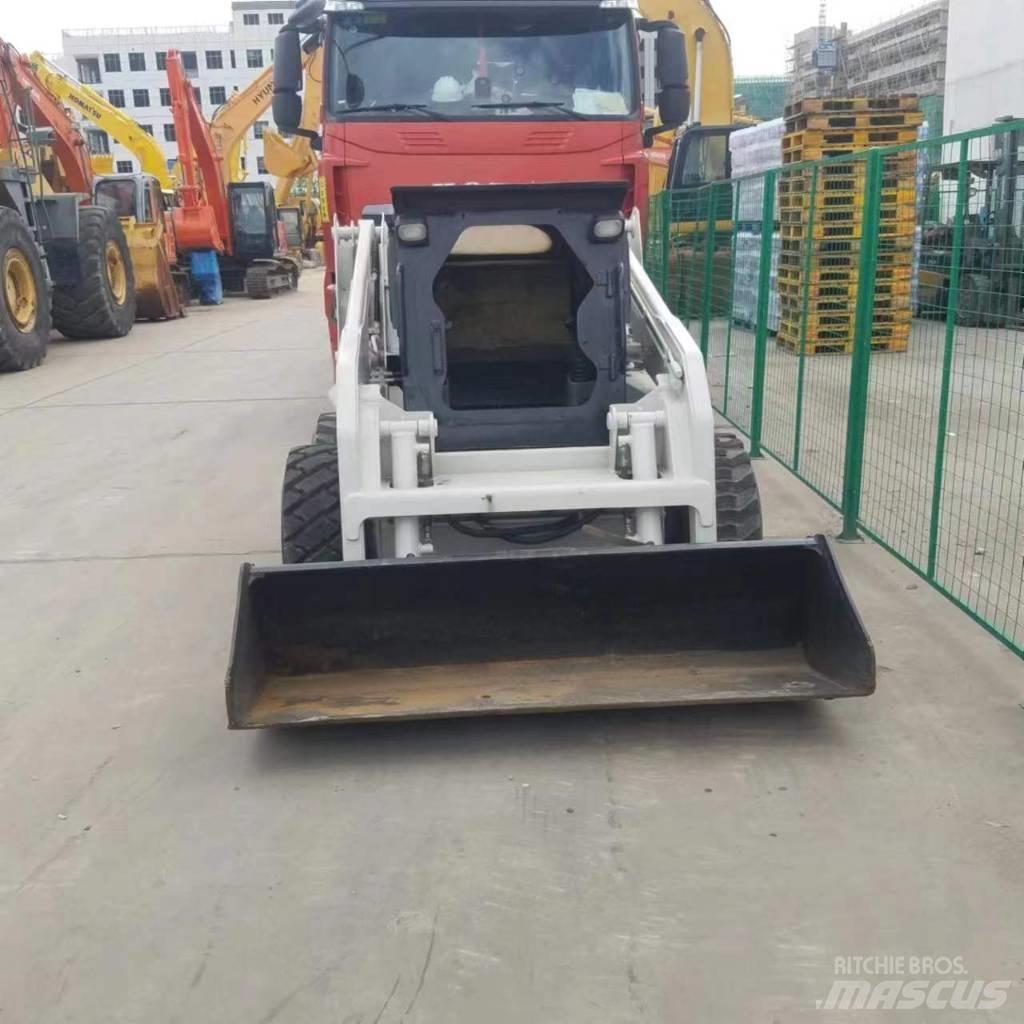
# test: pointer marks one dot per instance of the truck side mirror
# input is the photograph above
(671, 71)
(306, 15)
(287, 81)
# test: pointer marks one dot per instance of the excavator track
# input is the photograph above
(264, 280)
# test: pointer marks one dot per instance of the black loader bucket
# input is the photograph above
(539, 631)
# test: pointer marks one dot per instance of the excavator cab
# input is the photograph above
(253, 220)
(291, 219)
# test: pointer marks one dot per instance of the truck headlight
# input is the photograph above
(607, 229)
(412, 232)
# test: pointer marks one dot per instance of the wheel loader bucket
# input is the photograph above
(526, 632)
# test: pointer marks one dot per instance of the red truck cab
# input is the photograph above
(465, 92)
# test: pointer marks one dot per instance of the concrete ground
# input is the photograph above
(688, 865)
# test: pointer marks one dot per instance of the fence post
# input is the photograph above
(860, 365)
(764, 284)
(736, 188)
(709, 262)
(953, 300)
(808, 265)
(665, 203)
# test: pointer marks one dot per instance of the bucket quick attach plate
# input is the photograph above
(539, 631)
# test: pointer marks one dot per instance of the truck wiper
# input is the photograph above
(420, 108)
(534, 105)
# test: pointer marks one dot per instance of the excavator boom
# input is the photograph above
(235, 117)
(98, 111)
(201, 220)
(73, 172)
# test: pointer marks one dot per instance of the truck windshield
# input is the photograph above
(480, 64)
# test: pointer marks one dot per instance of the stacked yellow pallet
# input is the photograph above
(821, 217)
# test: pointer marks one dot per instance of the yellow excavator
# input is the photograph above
(116, 123)
(234, 118)
(138, 200)
(701, 147)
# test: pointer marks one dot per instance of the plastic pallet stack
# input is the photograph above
(819, 264)
(753, 151)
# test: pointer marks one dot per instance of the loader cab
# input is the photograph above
(130, 195)
(512, 304)
(253, 219)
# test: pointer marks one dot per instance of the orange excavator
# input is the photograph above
(229, 229)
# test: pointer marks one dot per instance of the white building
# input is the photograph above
(985, 63)
(127, 66)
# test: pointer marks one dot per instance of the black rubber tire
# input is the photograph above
(326, 429)
(737, 500)
(310, 510)
(21, 350)
(89, 310)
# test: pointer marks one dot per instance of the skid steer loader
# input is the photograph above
(521, 503)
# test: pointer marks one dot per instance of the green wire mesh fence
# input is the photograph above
(862, 321)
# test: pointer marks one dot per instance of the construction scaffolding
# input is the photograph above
(906, 54)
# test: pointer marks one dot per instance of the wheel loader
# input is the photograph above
(65, 262)
(521, 502)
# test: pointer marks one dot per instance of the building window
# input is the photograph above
(161, 60)
(124, 167)
(148, 129)
(116, 97)
(136, 62)
(169, 135)
(198, 93)
(261, 167)
(254, 58)
(250, 19)
(214, 60)
(165, 97)
(140, 97)
(258, 128)
(88, 70)
(111, 62)
(233, 58)
(275, 18)
(218, 95)
(241, 162)
(189, 61)
(97, 141)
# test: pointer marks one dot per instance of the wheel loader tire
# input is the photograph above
(326, 429)
(310, 507)
(102, 304)
(310, 511)
(737, 501)
(24, 297)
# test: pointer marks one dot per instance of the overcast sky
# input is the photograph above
(760, 29)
